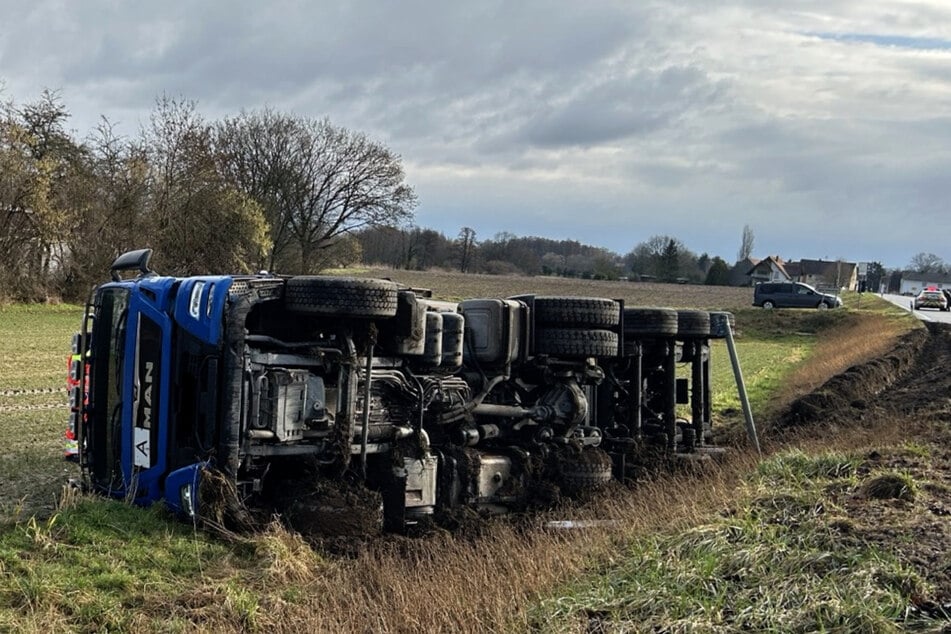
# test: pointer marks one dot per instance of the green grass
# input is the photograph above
(34, 344)
(34, 347)
(764, 364)
(90, 564)
(773, 345)
(770, 345)
(777, 561)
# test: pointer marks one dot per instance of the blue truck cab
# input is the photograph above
(153, 346)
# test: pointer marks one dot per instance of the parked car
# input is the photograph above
(770, 295)
(930, 298)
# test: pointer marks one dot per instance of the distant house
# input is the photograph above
(836, 274)
(912, 282)
(772, 269)
(740, 273)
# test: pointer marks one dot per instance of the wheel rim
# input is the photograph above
(823, 306)
(768, 305)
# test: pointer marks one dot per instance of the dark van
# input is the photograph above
(792, 295)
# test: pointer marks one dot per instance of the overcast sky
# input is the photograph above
(824, 125)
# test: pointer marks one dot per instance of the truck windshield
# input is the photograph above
(105, 406)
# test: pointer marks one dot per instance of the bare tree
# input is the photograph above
(465, 245)
(38, 162)
(315, 181)
(110, 208)
(746, 244)
(664, 257)
(927, 263)
(199, 222)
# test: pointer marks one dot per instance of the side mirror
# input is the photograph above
(138, 259)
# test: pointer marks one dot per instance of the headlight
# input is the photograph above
(194, 302)
(187, 500)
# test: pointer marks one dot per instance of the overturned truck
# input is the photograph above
(279, 385)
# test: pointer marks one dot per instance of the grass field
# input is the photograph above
(709, 559)
(453, 286)
(34, 346)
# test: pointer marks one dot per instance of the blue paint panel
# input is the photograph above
(146, 389)
(200, 305)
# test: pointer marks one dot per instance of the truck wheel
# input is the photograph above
(354, 297)
(719, 321)
(693, 323)
(768, 305)
(655, 322)
(565, 342)
(594, 312)
(585, 473)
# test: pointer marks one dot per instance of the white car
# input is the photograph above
(930, 298)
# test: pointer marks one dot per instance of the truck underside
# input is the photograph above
(231, 397)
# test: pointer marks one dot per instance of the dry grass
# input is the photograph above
(473, 583)
(858, 339)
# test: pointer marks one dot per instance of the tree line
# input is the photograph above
(661, 257)
(260, 190)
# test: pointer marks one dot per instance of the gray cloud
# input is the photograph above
(615, 109)
(606, 121)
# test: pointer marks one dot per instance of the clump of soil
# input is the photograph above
(334, 508)
(889, 486)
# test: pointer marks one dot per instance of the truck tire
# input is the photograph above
(651, 322)
(353, 297)
(720, 320)
(585, 473)
(566, 342)
(693, 323)
(592, 312)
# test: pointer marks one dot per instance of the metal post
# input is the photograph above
(741, 389)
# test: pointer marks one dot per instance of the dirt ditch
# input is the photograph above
(849, 396)
(903, 503)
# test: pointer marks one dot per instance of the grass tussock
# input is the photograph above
(890, 486)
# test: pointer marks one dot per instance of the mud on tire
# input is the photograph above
(567, 342)
(354, 297)
(585, 472)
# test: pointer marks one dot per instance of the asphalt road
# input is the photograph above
(928, 314)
